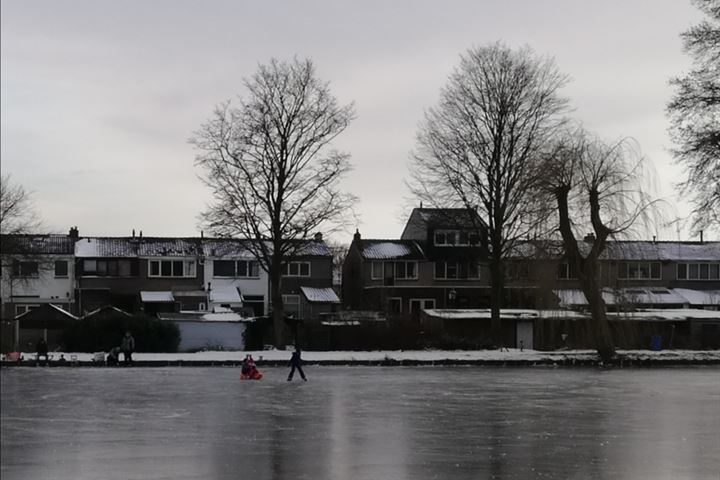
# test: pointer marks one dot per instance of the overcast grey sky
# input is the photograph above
(100, 97)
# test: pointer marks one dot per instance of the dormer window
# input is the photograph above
(455, 238)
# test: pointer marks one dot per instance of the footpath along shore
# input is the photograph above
(512, 357)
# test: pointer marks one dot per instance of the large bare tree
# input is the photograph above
(17, 210)
(271, 167)
(600, 188)
(479, 147)
(695, 117)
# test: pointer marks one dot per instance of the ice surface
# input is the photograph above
(360, 423)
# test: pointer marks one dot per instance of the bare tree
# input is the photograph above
(479, 147)
(695, 117)
(18, 218)
(271, 168)
(597, 188)
(17, 211)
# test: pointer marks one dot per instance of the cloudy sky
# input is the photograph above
(99, 98)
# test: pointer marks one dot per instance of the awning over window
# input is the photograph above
(157, 297)
(225, 295)
(320, 295)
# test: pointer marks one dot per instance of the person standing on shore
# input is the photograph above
(128, 347)
(296, 363)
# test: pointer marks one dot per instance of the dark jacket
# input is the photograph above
(42, 347)
(127, 344)
(295, 360)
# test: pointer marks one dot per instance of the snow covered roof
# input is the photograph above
(666, 315)
(225, 295)
(320, 295)
(670, 251)
(156, 297)
(390, 249)
(204, 317)
(37, 244)
(505, 314)
(699, 297)
(46, 305)
(221, 247)
(643, 295)
(109, 308)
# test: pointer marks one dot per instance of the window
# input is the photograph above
(406, 270)
(236, 268)
(202, 306)
(224, 268)
(564, 272)
(296, 269)
(639, 270)
(452, 238)
(172, 268)
(61, 268)
(474, 271)
(698, 271)
(395, 305)
(446, 270)
(376, 272)
(25, 268)
(109, 268)
(517, 271)
(291, 304)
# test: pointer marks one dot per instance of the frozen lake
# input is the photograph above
(360, 423)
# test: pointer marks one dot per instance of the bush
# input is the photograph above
(105, 330)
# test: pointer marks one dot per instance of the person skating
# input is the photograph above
(128, 347)
(296, 363)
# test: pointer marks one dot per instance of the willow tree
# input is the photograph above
(600, 188)
(270, 165)
(479, 147)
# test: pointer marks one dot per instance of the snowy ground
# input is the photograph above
(423, 356)
(360, 423)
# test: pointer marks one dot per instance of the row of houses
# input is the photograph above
(434, 279)
(179, 279)
(437, 272)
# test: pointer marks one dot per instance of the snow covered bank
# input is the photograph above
(411, 357)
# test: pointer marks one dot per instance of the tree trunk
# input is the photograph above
(278, 310)
(599, 325)
(496, 300)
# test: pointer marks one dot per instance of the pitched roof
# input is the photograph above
(137, 247)
(390, 249)
(37, 244)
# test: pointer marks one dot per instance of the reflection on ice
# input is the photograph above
(360, 422)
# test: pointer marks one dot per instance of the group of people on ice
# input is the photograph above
(249, 370)
(127, 347)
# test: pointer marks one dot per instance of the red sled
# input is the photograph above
(254, 375)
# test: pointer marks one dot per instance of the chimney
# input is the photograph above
(589, 238)
(73, 233)
(133, 233)
(654, 239)
(318, 237)
(202, 234)
(701, 236)
(356, 237)
(140, 233)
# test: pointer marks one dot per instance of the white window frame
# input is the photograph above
(445, 269)
(67, 267)
(698, 268)
(626, 266)
(188, 265)
(249, 264)
(415, 264)
(287, 269)
(202, 306)
(379, 266)
(568, 272)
